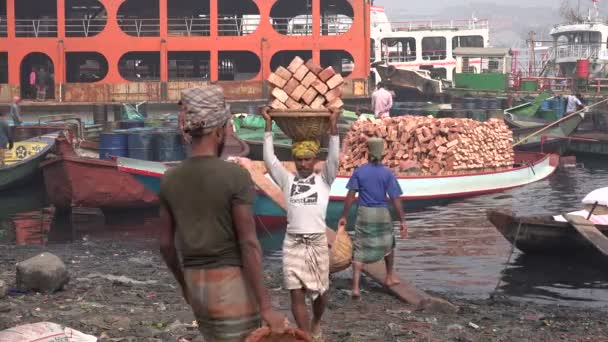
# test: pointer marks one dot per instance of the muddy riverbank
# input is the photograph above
(143, 304)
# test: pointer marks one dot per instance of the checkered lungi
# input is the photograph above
(223, 303)
(374, 235)
(306, 263)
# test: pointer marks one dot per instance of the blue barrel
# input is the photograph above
(141, 144)
(469, 103)
(457, 103)
(129, 124)
(113, 144)
(494, 103)
(169, 146)
(546, 105)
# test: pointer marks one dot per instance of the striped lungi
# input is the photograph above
(223, 303)
(306, 263)
(374, 235)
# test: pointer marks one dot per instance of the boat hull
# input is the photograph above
(22, 171)
(540, 235)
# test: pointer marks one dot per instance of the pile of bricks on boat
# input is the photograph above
(305, 85)
(430, 146)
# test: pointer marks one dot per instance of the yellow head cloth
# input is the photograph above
(305, 149)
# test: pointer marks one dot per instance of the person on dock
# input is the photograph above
(6, 138)
(15, 111)
(305, 248)
(382, 101)
(374, 235)
(206, 205)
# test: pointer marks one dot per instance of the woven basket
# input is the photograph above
(302, 124)
(290, 335)
(341, 254)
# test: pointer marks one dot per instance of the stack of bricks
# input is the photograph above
(305, 85)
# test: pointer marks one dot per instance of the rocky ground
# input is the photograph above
(123, 292)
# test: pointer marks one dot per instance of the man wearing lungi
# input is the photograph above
(206, 210)
(305, 249)
(374, 236)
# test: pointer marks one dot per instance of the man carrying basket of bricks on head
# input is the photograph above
(305, 249)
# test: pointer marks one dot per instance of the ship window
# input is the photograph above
(3, 67)
(3, 23)
(283, 58)
(187, 18)
(35, 18)
(85, 67)
(336, 17)
(434, 48)
(237, 18)
(140, 66)
(340, 60)
(398, 50)
(238, 65)
(436, 73)
(467, 41)
(84, 18)
(140, 18)
(42, 65)
(189, 65)
(292, 17)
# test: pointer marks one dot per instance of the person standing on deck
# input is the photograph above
(6, 138)
(16, 111)
(305, 248)
(573, 103)
(382, 102)
(374, 236)
(206, 205)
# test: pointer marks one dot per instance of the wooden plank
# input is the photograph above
(588, 230)
(404, 291)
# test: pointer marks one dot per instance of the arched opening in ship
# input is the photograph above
(187, 18)
(3, 67)
(237, 17)
(35, 18)
(238, 65)
(434, 48)
(3, 22)
(85, 67)
(283, 58)
(398, 50)
(342, 61)
(140, 18)
(336, 17)
(189, 65)
(37, 77)
(84, 18)
(292, 17)
(140, 66)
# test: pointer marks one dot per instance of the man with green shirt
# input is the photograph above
(206, 209)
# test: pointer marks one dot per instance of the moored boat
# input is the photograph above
(530, 167)
(22, 161)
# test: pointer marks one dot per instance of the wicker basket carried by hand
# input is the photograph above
(341, 253)
(290, 335)
(302, 124)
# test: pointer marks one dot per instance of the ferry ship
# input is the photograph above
(105, 51)
(426, 44)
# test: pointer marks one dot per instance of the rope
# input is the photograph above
(508, 260)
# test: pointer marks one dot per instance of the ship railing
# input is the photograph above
(36, 28)
(434, 55)
(3, 26)
(335, 25)
(149, 27)
(399, 58)
(579, 51)
(293, 26)
(189, 27)
(599, 85)
(233, 25)
(559, 84)
(85, 27)
(418, 25)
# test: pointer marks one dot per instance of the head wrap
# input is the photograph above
(375, 148)
(305, 149)
(205, 108)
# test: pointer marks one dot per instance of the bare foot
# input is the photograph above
(355, 294)
(315, 330)
(391, 280)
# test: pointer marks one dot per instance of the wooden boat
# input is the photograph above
(527, 115)
(551, 141)
(419, 80)
(541, 235)
(420, 190)
(78, 178)
(23, 160)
